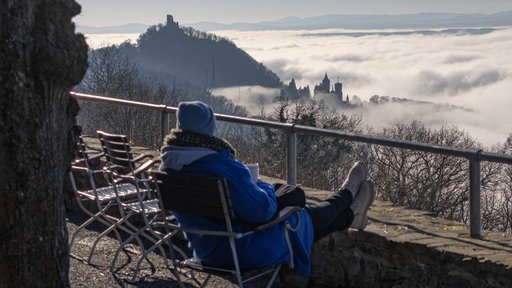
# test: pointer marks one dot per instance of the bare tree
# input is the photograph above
(111, 73)
(425, 181)
(322, 161)
(506, 206)
(42, 59)
(497, 194)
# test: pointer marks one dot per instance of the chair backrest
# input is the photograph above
(201, 196)
(81, 150)
(82, 156)
(117, 149)
(209, 197)
(86, 164)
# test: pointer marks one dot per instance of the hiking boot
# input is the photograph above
(355, 177)
(360, 205)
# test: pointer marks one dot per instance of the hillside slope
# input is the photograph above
(203, 59)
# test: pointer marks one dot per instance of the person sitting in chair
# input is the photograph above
(191, 149)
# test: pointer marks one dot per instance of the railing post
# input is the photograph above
(291, 154)
(165, 124)
(474, 197)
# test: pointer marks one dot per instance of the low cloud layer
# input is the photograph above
(96, 41)
(472, 70)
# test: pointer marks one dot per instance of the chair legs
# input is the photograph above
(158, 244)
(100, 217)
(158, 240)
(116, 225)
(270, 282)
(134, 235)
(240, 281)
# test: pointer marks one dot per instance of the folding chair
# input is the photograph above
(123, 169)
(103, 198)
(118, 151)
(209, 197)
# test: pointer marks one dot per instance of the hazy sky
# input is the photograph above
(116, 12)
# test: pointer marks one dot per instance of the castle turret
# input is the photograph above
(326, 84)
(324, 87)
(338, 89)
(170, 21)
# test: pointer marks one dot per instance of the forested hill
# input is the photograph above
(201, 58)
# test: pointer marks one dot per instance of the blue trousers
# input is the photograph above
(332, 214)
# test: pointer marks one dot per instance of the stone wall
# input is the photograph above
(409, 248)
(361, 259)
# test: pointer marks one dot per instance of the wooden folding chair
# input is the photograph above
(122, 167)
(209, 197)
(103, 196)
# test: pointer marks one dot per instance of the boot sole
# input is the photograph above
(361, 221)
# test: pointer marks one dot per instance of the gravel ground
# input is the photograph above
(97, 274)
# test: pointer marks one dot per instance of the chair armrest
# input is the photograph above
(78, 161)
(94, 157)
(116, 176)
(283, 215)
(166, 224)
(84, 169)
(142, 157)
(146, 166)
(79, 168)
(99, 155)
(142, 168)
(122, 178)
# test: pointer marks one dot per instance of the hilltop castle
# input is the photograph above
(324, 89)
(170, 21)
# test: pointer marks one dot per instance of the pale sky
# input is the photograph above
(117, 12)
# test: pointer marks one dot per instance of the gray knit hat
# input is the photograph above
(195, 116)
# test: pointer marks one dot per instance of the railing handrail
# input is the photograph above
(474, 156)
(395, 143)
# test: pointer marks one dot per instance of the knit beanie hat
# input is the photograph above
(195, 116)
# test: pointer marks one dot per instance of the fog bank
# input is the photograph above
(472, 70)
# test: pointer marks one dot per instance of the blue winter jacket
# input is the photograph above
(254, 203)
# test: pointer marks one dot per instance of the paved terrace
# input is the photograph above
(400, 248)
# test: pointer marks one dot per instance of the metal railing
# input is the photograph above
(474, 156)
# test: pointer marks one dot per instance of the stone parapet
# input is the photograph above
(409, 248)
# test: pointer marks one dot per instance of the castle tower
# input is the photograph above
(338, 89)
(326, 84)
(170, 21)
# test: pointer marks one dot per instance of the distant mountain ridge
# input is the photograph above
(120, 29)
(341, 21)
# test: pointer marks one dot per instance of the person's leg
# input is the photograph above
(334, 213)
(331, 215)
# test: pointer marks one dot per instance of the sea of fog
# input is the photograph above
(470, 69)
